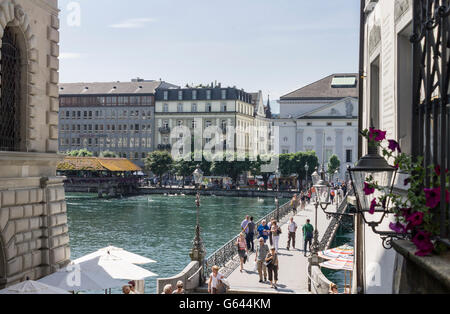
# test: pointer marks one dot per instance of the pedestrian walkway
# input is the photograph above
(293, 265)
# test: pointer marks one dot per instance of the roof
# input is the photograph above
(324, 88)
(113, 88)
(97, 164)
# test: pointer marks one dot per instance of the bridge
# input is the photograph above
(293, 270)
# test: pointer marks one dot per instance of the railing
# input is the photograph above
(226, 256)
(164, 130)
(333, 226)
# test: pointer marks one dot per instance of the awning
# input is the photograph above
(97, 164)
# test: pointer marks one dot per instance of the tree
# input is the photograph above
(334, 164)
(233, 169)
(159, 162)
(256, 168)
(184, 168)
(108, 154)
(300, 160)
(80, 153)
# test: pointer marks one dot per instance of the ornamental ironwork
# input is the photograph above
(10, 93)
(431, 132)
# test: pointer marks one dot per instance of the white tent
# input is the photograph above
(117, 253)
(88, 275)
(32, 287)
(120, 269)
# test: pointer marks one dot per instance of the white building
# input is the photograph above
(322, 117)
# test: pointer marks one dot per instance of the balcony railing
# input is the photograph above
(164, 146)
(164, 130)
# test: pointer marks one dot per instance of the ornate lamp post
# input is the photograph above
(375, 167)
(277, 201)
(306, 168)
(322, 188)
(198, 249)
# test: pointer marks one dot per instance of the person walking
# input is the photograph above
(292, 229)
(294, 204)
(262, 249)
(215, 280)
(275, 231)
(272, 267)
(263, 231)
(244, 223)
(251, 235)
(270, 232)
(241, 244)
(167, 289)
(308, 231)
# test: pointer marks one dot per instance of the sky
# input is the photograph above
(272, 46)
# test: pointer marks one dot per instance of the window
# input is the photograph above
(166, 95)
(309, 124)
(194, 108)
(180, 95)
(194, 95)
(224, 94)
(208, 124)
(329, 123)
(194, 124)
(208, 108)
(223, 107)
(179, 123)
(349, 124)
(165, 108)
(180, 108)
(348, 155)
(208, 95)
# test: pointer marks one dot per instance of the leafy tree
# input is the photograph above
(80, 153)
(286, 164)
(256, 168)
(232, 169)
(108, 154)
(158, 162)
(334, 164)
(184, 168)
(300, 160)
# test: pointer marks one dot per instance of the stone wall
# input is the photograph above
(190, 277)
(33, 223)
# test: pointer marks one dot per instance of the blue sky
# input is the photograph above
(273, 46)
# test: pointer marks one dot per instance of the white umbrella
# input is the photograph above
(88, 275)
(119, 254)
(32, 287)
(120, 269)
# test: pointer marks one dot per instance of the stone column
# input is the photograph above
(319, 144)
(340, 150)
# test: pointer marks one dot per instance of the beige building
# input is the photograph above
(211, 113)
(34, 237)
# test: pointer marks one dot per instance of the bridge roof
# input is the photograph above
(97, 164)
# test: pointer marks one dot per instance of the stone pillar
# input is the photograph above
(340, 151)
(300, 136)
(319, 144)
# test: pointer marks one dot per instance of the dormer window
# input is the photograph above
(166, 95)
(208, 95)
(180, 95)
(194, 95)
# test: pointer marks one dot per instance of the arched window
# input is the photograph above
(10, 128)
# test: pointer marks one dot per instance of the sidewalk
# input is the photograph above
(293, 265)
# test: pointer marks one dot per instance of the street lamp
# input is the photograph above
(376, 168)
(198, 249)
(322, 199)
(277, 201)
(306, 168)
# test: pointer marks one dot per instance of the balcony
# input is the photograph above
(164, 130)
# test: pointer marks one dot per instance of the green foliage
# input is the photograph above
(108, 154)
(232, 169)
(333, 164)
(80, 153)
(159, 162)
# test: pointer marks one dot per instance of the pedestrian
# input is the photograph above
(333, 289)
(292, 229)
(263, 230)
(262, 249)
(241, 244)
(180, 289)
(272, 267)
(270, 232)
(167, 289)
(244, 223)
(308, 231)
(215, 280)
(132, 284)
(126, 289)
(251, 235)
(275, 230)
(294, 204)
(332, 195)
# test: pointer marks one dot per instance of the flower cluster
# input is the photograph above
(413, 213)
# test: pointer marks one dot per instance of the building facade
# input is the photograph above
(116, 116)
(396, 98)
(209, 113)
(322, 117)
(34, 239)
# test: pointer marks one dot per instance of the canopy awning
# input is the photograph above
(97, 164)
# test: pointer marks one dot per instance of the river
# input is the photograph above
(158, 227)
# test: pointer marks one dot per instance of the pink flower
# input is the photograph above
(405, 212)
(433, 197)
(397, 227)
(394, 146)
(437, 169)
(422, 240)
(368, 189)
(415, 219)
(377, 135)
(372, 206)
